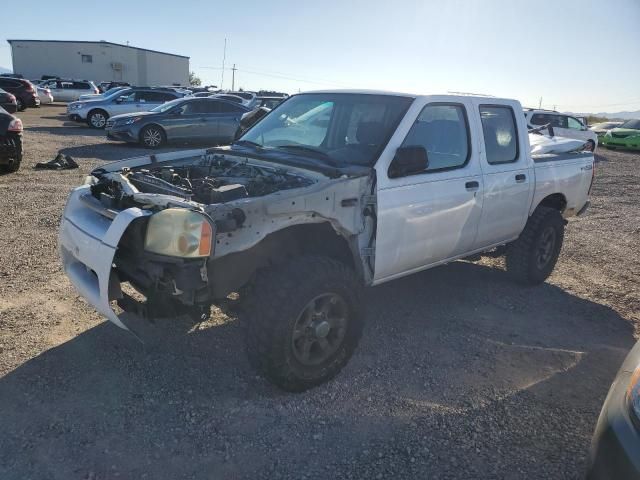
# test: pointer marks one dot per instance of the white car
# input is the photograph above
(388, 185)
(563, 126)
(44, 94)
(97, 111)
(69, 90)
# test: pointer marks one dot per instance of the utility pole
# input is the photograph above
(224, 57)
(233, 78)
(540, 103)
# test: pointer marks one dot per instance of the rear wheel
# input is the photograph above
(533, 256)
(152, 136)
(304, 321)
(14, 164)
(97, 118)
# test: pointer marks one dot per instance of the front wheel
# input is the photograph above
(532, 257)
(97, 118)
(304, 321)
(152, 136)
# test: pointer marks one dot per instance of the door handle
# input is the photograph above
(521, 177)
(471, 186)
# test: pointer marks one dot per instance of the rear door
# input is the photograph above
(228, 120)
(429, 217)
(507, 173)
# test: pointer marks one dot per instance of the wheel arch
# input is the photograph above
(231, 272)
(557, 201)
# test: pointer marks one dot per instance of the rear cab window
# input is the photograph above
(500, 134)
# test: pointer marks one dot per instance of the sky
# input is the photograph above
(577, 55)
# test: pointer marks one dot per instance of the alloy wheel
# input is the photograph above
(320, 329)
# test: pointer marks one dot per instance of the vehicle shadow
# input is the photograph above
(455, 357)
(68, 129)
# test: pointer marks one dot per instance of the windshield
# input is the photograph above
(341, 128)
(634, 124)
(113, 92)
(167, 106)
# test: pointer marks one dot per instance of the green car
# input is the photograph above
(625, 136)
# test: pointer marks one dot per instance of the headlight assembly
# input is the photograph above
(132, 120)
(178, 232)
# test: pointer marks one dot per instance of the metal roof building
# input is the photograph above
(98, 61)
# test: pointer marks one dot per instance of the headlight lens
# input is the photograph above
(132, 120)
(75, 106)
(177, 232)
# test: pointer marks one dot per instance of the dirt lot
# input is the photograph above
(460, 374)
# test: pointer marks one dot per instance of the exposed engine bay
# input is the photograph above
(211, 179)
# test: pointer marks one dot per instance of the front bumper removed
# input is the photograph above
(87, 242)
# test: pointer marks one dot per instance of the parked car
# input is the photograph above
(269, 102)
(563, 125)
(615, 447)
(8, 102)
(601, 128)
(230, 98)
(298, 223)
(44, 94)
(188, 119)
(202, 94)
(106, 86)
(97, 112)
(97, 96)
(626, 135)
(23, 90)
(249, 98)
(69, 90)
(10, 142)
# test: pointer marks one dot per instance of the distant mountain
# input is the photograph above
(613, 116)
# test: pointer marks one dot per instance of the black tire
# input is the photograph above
(276, 309)
(532, 257)
(97, 118)
(152, 136)
(20, 105)
(14, 166)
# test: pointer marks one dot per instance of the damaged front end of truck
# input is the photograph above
(187, 229)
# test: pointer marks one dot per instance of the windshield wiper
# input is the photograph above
(306, 148)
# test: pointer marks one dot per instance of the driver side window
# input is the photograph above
(442, 129)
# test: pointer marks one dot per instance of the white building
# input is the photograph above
(98, 61)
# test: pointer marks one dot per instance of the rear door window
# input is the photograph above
(500, 134)
(574, 123)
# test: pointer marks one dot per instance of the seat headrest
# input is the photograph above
(370, 133)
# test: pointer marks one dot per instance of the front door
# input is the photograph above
(429, 217)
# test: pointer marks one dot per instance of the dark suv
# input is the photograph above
(23, 90)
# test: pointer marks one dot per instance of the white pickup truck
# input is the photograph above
(330, 192)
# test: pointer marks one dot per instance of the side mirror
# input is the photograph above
(408, 160)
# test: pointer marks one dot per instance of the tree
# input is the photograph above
(193, 80)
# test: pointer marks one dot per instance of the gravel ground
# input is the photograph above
(460, 374)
